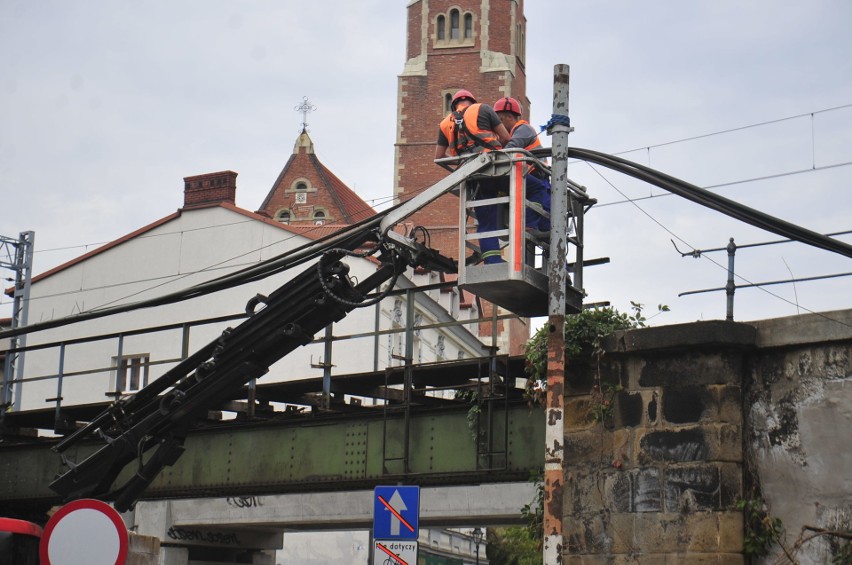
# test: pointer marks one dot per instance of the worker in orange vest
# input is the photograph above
(537, 185)
(468, 129)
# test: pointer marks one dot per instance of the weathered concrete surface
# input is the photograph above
(676, 424)
(142, 550)
(823, 327)
(653, 445)
(439, 506)
(799, 416)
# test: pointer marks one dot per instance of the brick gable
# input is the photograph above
(310, 193)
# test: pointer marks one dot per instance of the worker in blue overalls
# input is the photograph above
(523, 136)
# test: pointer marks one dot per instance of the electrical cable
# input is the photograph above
(713, 201)
(759, 286)
(736, 182)
(349, 237)
(354, 235)
(364, 303)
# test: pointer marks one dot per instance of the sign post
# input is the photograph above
(396, 525)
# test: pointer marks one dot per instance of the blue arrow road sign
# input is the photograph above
(396, 512)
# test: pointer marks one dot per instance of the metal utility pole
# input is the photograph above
(17, 255)
(557, 271)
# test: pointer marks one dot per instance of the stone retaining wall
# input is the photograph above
(653, 447)
(676, 424)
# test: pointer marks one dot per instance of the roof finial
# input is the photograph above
(304, 108)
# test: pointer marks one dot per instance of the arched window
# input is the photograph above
(453, 28)
(283, 216)
(521, 43)
(301, 185)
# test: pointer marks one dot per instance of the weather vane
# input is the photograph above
(304, 108)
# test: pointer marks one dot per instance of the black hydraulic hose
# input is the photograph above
(713, 201)
(351, 236)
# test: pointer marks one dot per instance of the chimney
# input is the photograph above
(210, 189)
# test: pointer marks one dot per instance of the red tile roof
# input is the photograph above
(352, 208)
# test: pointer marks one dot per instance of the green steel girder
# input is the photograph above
(320, 454)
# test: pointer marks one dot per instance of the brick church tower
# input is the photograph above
(477, 45)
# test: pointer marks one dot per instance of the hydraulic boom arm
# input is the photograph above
(151, 425)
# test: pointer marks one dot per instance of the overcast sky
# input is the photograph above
(105, 105)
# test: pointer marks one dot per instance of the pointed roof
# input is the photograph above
(306, 186)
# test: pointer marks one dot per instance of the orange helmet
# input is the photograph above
(461, 95)
(507, 104)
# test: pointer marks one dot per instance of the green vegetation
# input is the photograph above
(762, 531)
(583, 335)
(513, 546)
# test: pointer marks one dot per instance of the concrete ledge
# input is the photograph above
(804, 329)
(716, 333)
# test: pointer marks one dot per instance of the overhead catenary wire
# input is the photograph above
(598, 205)
(313, 249)
(350, 235)
(732, 183)
(220, 264)
(749, 284)
(713, 201)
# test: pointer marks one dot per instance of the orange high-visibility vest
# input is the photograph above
(535, 143)
(464, 135)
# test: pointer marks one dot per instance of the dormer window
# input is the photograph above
(320, 216)
(299, 189)
(454, 29)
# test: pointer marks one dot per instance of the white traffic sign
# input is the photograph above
(84, 532)
(394, 552)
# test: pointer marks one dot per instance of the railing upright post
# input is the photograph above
(409, 370)
(326, 366)
(59, 377)
(730, 287)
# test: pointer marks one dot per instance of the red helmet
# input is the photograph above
(507, 104)
(462, 95)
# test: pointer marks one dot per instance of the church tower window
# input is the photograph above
(454, 29)
(448, 102)
(454, 25)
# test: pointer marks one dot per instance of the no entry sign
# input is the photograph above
(84, 532)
